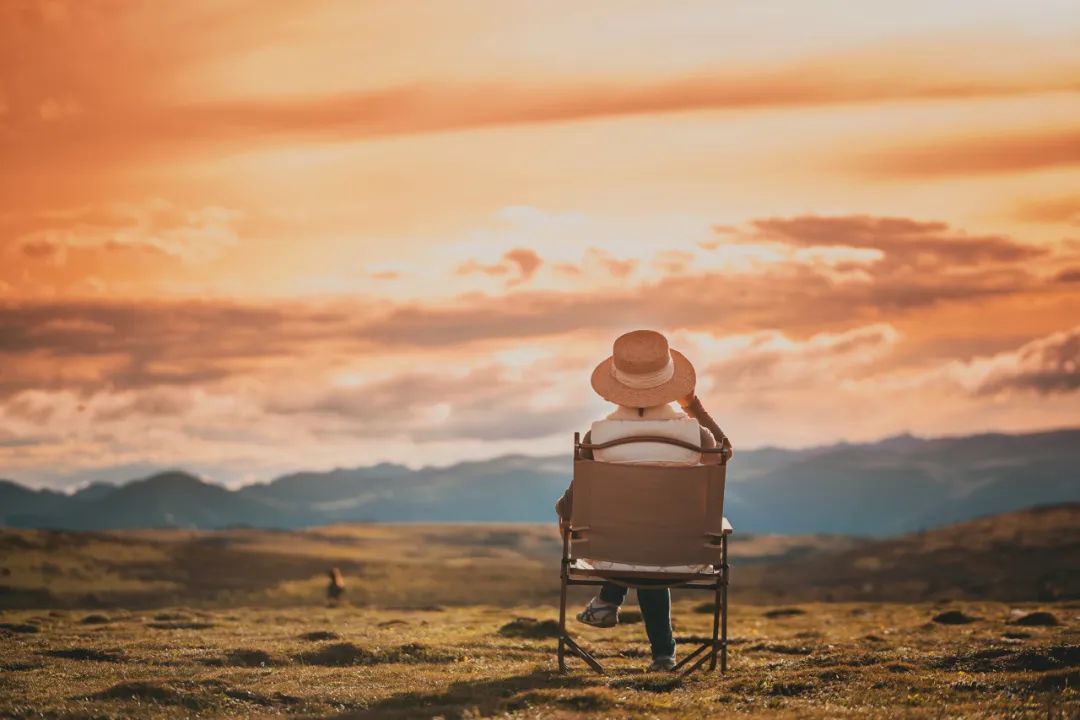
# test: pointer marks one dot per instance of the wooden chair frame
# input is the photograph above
(715, 581)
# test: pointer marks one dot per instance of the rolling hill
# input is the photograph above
(1027, 555)
(902, 484)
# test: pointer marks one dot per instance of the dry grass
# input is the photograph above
(1025, 555)
(459, 622)
(832, 660)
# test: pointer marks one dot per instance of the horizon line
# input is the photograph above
(165, 469)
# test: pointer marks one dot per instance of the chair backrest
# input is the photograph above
(686, 429)
(647, 514)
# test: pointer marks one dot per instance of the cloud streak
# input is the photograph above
(517, 265)
(771, 362)
(1003, 153)
(420, 109)
(1046, 366)
(916, 265)
(117, 125)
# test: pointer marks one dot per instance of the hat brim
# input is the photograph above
(680, 385)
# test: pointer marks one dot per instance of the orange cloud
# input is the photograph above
(673, 261)
(1064, 210)
(95, 121)
(1069, 275)
(1048, 365)
(905, 242)
(922, 265)
(1020, 152)
(481, 403)
(771, 362)
(617, 268)
(418, 109)
(521, 263)
(94, 249)
(83, 346)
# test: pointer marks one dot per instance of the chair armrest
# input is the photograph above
(725, 529)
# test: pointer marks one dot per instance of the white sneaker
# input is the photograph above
(664, 663)
(599, 614)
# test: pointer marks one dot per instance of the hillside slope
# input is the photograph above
(880, 489)
(1030, 554)
(1023, 556)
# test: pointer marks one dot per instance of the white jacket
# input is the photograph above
(661, 420)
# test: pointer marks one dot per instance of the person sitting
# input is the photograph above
(643, 377)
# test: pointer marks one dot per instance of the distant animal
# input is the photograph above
(336, 588)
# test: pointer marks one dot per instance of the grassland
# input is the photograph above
(1028, 555)
(233, 624)
(383, 565)
(815, 660)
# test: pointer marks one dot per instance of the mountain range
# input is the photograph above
(898, 485)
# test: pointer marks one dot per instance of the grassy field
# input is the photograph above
(234, 624)
(1028, 555)
(382, 564)
(815, 660)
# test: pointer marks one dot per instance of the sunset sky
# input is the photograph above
(246, 237)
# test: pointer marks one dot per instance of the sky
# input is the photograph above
(245, 238)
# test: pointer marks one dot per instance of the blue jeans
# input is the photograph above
(655, 604)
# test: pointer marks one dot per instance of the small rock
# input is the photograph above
(954, 617)
(19, 627)
(1040, 618)
(95, 620)
(526, 627)
(783, 612)
(1014, 635)
(320, 635)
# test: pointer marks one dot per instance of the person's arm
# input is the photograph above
(565, 504)
(709, 442)
(564, 507)
(693, 407)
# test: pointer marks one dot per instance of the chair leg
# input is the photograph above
(562, 622)
(701, 660)
(585, 655)
(723, 608)
(715, 627)
(566, 643)
(690, 656)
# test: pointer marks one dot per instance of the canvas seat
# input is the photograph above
(654, 525)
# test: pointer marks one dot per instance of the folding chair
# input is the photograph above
(648, 522)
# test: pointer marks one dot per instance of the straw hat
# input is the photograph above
(643, 371)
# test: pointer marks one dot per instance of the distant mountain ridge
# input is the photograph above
(897, 485)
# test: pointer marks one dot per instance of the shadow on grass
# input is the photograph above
(546, 688)
(89, 654)
(195, 695)
(345, 654)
